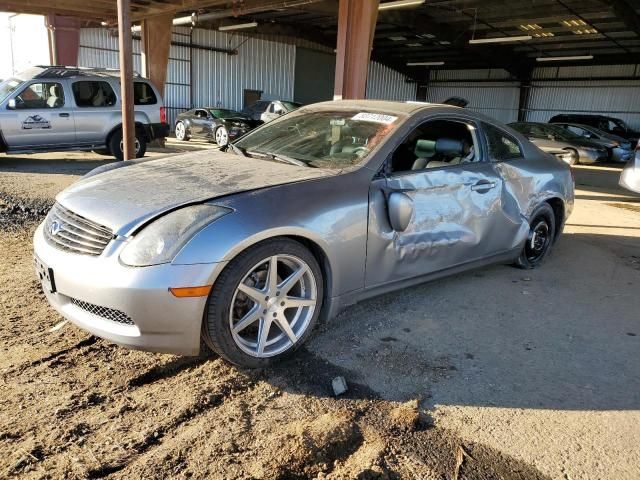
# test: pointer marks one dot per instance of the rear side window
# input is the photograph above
(40, 96)
(502, 146)
(143, 94)
(93, 94)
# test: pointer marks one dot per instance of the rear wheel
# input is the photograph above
(181, 132)
(116, 145)
(542, 231)
(265, 304)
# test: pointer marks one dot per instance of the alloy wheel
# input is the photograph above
(273, 306)
(180, 131)
(136, 149)
(222, 136)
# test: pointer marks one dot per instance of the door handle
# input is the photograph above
(63, 115)
(483, 186)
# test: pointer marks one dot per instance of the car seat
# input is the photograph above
(54, 100)
(449, 152)
(424, 152)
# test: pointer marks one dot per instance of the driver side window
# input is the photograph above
(435, 144)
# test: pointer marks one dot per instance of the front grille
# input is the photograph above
(103, 312)
(69, 231)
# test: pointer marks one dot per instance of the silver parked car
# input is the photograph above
(47, 109)
(268, 110)
(562, 143)
(619, 149)
(331, 204)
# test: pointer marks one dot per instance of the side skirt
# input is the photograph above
(336, 304)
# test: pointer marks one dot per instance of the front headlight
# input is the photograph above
(161, 241)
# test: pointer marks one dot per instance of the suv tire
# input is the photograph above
(115, 145)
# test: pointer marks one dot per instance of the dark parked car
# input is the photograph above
(267, 110)
(619, 149)
(562, 143)
(218, 124)
(608, 124)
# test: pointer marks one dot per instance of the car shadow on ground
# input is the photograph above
(58, 165)
(564, 336)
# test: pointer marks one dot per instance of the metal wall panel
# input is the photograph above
(498, 100)
(220, 79)
(470, 74)
(385, 83)
(586, 71)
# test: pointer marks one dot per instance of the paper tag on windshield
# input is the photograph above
(375, 117)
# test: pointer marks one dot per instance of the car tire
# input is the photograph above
(221, 136)
(116, 146)
(575, 157)
(229, 306)
(540, 239)
(181, 132)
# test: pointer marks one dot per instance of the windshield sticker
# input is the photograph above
(375, 117)
(35, 121)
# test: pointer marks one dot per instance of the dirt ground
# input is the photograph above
(495, 373)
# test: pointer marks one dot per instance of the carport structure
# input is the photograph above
(427, 42)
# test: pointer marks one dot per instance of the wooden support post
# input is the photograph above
(356, 28)
(64, 39)
(156, 41)
(126, 79)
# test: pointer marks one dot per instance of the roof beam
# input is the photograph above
(627, 14)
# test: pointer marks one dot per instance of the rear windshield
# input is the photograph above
(225, 113)
(8, 87)
(291, 105)
(143, 94)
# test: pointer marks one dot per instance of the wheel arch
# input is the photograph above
(139, 130)
(557, 205)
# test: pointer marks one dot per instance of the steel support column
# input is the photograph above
(356, 28)
(156, 41)
(126, 79)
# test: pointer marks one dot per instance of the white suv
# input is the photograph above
(69, 108)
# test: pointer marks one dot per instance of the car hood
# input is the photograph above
(125, 198)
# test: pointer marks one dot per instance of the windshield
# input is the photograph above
(8, 87)
(225, 113)
(619, 124)
(325, 139)
(291, 106)
(562, 133)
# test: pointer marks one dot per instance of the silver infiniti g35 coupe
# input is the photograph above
(247, 249)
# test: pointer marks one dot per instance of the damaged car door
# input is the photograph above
(438, 205)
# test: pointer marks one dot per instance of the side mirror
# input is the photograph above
(401, 209)
(11, 105)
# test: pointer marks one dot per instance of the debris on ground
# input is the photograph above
(339, 385)
(16, 213)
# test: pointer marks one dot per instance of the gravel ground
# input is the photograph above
(515, 374)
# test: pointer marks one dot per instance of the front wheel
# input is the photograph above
(542, 231)
(572, 157)
(181, 132)
(265, 304)
(116, 146)
(222, 136)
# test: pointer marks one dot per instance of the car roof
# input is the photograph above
(389, 106)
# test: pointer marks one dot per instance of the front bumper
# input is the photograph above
(161, 322)
(621, 155)
(588, 155)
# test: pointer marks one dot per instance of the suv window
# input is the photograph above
(89, 93)
(502, 146)
(143, 94)
(40, 96)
